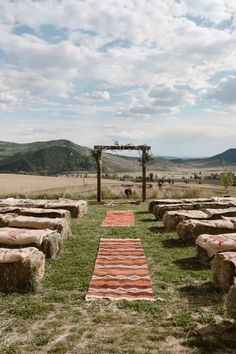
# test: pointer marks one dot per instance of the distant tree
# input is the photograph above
(227, 179)
(151, 177)
(214, 176)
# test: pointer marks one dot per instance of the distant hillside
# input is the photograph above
(62, 156)
(46, 158)
(228, 157)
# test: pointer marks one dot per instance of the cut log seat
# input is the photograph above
(217, 213)
(37, 212)
(30, 222)
(209, 245)
(224, 199)
(76, 207)
(47, 241)
(28, 203)
(191, 229)
(21, 269)
(230, 301)
(160, 210)
(230, 218)
(155, 202)
(223, 269)
(172, 218)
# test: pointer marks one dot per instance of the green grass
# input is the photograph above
(187, 316)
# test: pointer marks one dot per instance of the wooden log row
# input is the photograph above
(172, 218)
(76, 207)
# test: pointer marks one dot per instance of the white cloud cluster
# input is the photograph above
(224, 92)
(161, 55)
(159, 100)
(215, 11)
(164, 45)
(165, 96)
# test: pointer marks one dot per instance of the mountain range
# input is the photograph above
(227, 157)
(62, 156)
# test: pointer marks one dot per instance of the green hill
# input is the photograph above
(62, 156)
(228, 156)
(46, 158)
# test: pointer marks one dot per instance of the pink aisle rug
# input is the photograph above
(120, 272)
(119, 218)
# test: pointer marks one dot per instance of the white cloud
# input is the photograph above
(224, 92)
(6, 97)
(159, 100)
(204, 135)
(95, 96)
(171, 96)
(213, 10)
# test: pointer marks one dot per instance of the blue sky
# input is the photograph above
(157, 72)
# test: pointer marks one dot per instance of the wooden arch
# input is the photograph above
(145, 157)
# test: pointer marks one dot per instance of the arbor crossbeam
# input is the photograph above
(122, 147)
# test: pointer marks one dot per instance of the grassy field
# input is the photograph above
(27, 186)
(187, 316)
(178, 172)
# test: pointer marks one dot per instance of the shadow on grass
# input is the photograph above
(205, 294)
(215, 338)
(175, 243)
(190, 263)
(143, 212)
(157, 229)
(148, 220)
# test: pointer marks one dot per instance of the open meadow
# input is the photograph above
(28, 186)
(187, 317)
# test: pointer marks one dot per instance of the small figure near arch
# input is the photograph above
(128, 192)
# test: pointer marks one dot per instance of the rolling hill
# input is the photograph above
(227, 157)
(62, 156)
(46, 158)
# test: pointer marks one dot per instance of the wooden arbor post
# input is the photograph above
(146, 156)
(97, 154)
(143, 176)
(99, 178)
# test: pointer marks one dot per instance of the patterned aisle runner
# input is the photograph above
(119, 218)
(120, 272)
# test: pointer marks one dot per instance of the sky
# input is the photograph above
(156, 72)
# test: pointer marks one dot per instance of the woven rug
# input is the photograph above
(120, 272)
(119, 218)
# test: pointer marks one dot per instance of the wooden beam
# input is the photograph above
(122, 147)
